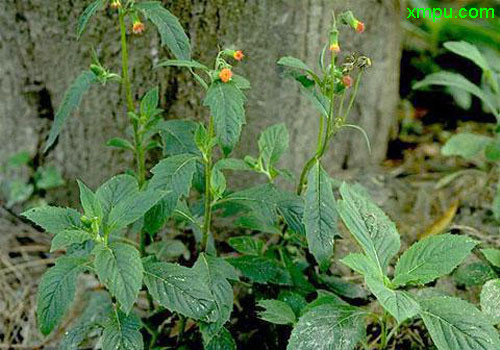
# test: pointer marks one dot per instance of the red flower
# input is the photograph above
(347, 81)
(360, 27)
(238, 55)
(138, 27)
(225, 75)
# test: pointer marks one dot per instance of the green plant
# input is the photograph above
(281, 265)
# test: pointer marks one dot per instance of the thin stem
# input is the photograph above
(383, 331)
(208, 194)
(353, 95)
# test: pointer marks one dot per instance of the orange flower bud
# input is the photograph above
(115, 4)
(225, 75)
(335, 48)
(138, 27)
(347, 81)
(238, 55)
(360, 27)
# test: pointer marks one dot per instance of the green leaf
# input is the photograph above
(362, 264)
(183, 63)
(399, 304)
(179, 289)
(458, 81)
(90, 203)
(18, 159)
(431, 258)
(296, 301)
(492, 255)
(320, 215)
(474, 274)
(324, 297)
(18, 191)
(68, 237)
(276, 311)
(56, 291)
(54, 219)
(132, 208)
(222, 341)
(71, 100)
(490, 300)
(246, 245)
(466, 145)
(273, 143)
(292, 62)
(48, 177)
(157, 216)
(369, 225)
(241, 82)
(344, 288)
(496, 204)
(261, 269)
(174, 174)
(169, 249)
(149, 103)
(492, 150)
(116, 190)
(328, 326)
(468, 51)
(226, 103)
(310, 90)
(118, 142)
(178, 137)
(455, 324)
(120, 269)
(122, 332)
(86, 15)
(215, 277)
(171, 32)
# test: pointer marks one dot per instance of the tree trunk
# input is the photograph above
(40, 57)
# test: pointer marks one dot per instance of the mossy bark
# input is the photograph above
(40, 57)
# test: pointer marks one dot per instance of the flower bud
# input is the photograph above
(238, 55)
(347, 81)
(138, 27)
(225, 75)
(333, 41)
(115, 4)
(348, 18)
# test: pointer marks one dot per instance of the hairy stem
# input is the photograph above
(208, 195)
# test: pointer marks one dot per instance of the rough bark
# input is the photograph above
(40, 57)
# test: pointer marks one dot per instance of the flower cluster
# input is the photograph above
(224, 72)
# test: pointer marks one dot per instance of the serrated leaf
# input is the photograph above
(68, 237)
(455, 324)
(292, 62)
(120, 269)
(431, 258)
(362, 264)
(222, 341)
(221, 290)
(178, 137)
(54, 219)
(273, 143)
(320, 215)
(328, 327)
(149, 103)
(241, 82)
(369, 225)
(56, 291)
(474, 274)
(183, 63)
(48, 177)
(115, 190)
(466, 145)
(118, 142)
(468, 51)
(90, 203)
(171, 32)
(492, 255)
(296, 301)
(122, 332)
(169, 249)
(344, 288)
(457, 80)
(399, 304)
(86, 15)
(71, 100)
(157, 216)
(179, 289)
(276, 311)
(226, 103)
(246, 245)
(490, 300)
(261, 269)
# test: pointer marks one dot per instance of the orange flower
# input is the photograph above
(138, 27)
(335, 48)
(115, 4)
(347, 81)
(238, 55)
(360, 27)
(225, 75)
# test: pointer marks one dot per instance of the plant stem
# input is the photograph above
(208, 187)
(383, 331)
(353, 95)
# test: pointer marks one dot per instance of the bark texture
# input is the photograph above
(40, 57)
